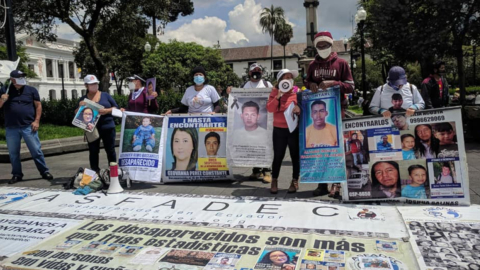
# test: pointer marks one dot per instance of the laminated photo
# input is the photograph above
(87, 115)
(278, 258)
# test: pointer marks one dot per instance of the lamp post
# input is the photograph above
(360, 19)
(345, 43)
(148, 47)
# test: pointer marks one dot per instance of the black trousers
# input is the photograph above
(108, 138)
(281, 139)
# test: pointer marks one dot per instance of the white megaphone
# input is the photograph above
(115, 186)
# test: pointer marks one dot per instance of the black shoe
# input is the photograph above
(15, 179)
(321, 190)
(47, 176)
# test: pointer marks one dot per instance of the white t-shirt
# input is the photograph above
(201, 101)
(254, 137)
(258, 84)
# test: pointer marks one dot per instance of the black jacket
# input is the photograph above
(431, 93)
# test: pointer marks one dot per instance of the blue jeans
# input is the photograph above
(356, 157)
(14, 137)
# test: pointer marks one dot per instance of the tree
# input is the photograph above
(283, 35)
(22, 65)
(424, 30)
(173, 62)
(269, 20)
(84, 17)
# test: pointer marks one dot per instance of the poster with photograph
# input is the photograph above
(195, 148)
(250, 131)
(223, 261)
(87, 115)
(141, 146)
(322, 158)
(278, 257)
(185, 260)
(150, 85)
(417, 159)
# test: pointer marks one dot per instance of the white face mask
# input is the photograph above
(20, 81)
(325, 53)
(131, 86)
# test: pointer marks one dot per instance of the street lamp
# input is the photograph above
(360, 19)
(148, 47)
(345, 43)
(157, 46)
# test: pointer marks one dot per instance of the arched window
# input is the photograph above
(74, 94)
(52, 94)
(84, 92)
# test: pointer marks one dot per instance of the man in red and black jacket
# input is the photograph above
(325, 71)
(435, 87)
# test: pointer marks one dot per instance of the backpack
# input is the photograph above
(263, 80)
(366, 103)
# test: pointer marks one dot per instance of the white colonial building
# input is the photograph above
(52, 62)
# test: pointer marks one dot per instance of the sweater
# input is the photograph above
(278, 107)
(382, 99)
(140, 104)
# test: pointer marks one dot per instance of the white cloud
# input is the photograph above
(206, 31)
(64, 31)
(206, 3)
(246, 19)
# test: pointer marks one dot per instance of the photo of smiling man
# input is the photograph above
(320, 133)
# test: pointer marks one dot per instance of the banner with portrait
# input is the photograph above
(150, 85)
(87, 115)
(195, 148)
(141, 146)
(250, 132)
(419, 159)
(111, 244)
(322, 157)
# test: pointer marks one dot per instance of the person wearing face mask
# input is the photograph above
(435, 87)
(105, 125)
(325, 71)
(199, 98)
(396, 83)
(137, 100)
(22, 110)
(282, 95)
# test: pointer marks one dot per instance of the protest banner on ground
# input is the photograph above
(322, 157)
(100, 244)
(419, 159)
(87, 115)
(142, 146)
(220, 211)
(10, 195)
(250, 130)
(195, 148)
(444, 237)
(18, 233)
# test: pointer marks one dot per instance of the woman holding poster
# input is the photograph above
(138, 100)
(199, 98)
(282, 95)
(105, 125)
(184, 145)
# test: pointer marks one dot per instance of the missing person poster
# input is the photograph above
(250, 132)
(417, 159)
(191, 247)
(87, 115)
(141, 146)
(195, 148)
(322, 157)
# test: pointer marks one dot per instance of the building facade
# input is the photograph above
(54, 62)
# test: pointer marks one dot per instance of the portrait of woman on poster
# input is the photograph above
(385, 180)
(426, 145)
(184, 147)
(87, 117)
(276, 258)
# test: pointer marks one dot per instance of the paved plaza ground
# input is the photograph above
(64, 166)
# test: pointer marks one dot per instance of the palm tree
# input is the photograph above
(283, 35)
(269, 20)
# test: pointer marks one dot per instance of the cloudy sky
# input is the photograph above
(235, 23)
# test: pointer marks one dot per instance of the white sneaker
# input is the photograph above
(137, 148)
(149, 148)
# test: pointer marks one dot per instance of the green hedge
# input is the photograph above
(61, 112)
(469, 89)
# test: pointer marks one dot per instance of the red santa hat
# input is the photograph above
(323, 36)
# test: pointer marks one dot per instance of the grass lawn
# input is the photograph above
(49, 132)
(355, 109)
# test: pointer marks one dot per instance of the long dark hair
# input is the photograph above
(375, 183)
(420, 148)
(192, 163)
(83, 111)
(266, 257)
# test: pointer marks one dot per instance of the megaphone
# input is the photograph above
(115, 186)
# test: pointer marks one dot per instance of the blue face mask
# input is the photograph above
(393, 86)
(198, 80)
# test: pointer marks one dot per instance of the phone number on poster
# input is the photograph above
(428, 119)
